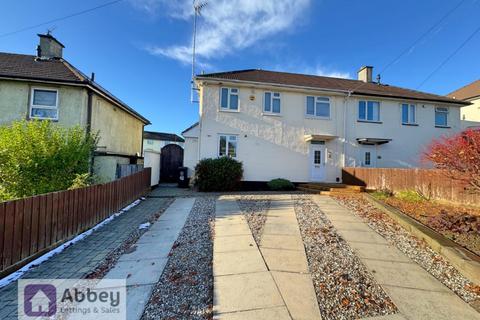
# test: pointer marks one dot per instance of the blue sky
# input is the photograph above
(139, 49)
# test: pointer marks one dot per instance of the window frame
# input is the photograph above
(446, 112)
(229, 94)
(314, 116)
(409, 122)
(34, 106)
(366, 111)
(227, 136)
(272, 97)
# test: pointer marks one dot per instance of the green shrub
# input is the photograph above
(39, 157)
(409, 195)
(280, 185)
(220, 174)
(382, 194)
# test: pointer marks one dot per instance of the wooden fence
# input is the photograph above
(31, 226)
(431, 183)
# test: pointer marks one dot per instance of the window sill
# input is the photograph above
(271, 114)
(368, 121)
(228, 110)
(317, 118)
(410, 124)
(443, 127)
(42, 119)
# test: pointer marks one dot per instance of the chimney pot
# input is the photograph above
(365, 74)
(49, 47)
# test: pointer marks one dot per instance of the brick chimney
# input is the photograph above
(365, 74)
(49, 47)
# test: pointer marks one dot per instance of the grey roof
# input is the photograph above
(163, 136)
(355, 87)
(29, 67)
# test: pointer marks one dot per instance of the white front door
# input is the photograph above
(317, 162)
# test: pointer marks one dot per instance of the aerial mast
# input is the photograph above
(197, 8)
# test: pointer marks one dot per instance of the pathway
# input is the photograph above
(84, 256)
(416, 293)
(266, 282)
(143, 265)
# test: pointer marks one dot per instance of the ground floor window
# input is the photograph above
(227, 146)
(368, 159)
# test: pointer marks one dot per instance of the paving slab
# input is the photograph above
(361, 236)
(275, 241)
(137, 272)
(352, 226)
(427, 305)
(241, 292)
(281, 229)
(406, 275)
(236, 262)
(232, 230)
(277, 313)
(377, 251)
(299, 295)
(138, 297)
(285, 260)
(235, 243)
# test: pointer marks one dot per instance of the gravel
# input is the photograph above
(185, 289)
(255, 210)
(344, 287)
(414, 248)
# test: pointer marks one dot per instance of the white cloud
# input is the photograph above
(227, 26)
(317, 69)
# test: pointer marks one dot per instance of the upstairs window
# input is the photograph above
(318, 107)
(369, 111)
(441, 117)
(227, 146)
(271, 103)
(44, 104)
(408, 113)
(229, 99)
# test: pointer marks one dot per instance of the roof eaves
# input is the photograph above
(191, 127)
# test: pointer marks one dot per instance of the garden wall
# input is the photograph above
(430, 182)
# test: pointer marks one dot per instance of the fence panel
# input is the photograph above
(31, 226)
(430, 182)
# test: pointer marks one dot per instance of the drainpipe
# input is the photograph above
(89, 123)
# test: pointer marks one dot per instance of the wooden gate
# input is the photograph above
(170, 160)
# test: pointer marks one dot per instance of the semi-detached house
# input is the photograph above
(47, 87)
(307, 128)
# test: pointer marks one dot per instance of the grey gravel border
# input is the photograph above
(185, 289)
(255, 210)
(344, 287)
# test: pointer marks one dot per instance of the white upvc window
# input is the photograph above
(229, 99)
(271, 102)
(227, 145)
(409, 113)
(441, 116)
(318, 107)
(369, 111)
(44, 103)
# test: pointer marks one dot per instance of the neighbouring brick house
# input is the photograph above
(46, 86)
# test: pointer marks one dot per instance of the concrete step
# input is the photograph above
(332, 187)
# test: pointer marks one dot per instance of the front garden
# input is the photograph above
(459, 223)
